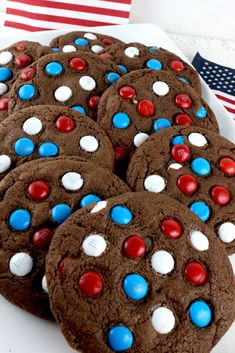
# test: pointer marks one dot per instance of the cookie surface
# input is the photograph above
(135, 56)
(194, 166)
(139, 273)
(82, 41)
(35, 199)
(12, 61)
(50, 131)
(76, 80)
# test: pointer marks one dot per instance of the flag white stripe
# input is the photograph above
(226, 95)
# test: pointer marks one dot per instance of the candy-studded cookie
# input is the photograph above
(139, 273)
(49, 131)
(143, 102)
(82, 41)
(135, 56)
(76, 80)
(13, 60)
(35, 199)
(194, 166)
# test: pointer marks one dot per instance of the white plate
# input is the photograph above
(21, 332)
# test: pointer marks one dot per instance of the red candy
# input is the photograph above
(93, 102)
(42, 238)
(145, 108)
(61, 268)
(38, 191)
(187, 184)
(65, 123)
(28, 74)
(91, 283)
(181, 153)
(120, 153)
(107, 41)
(127, 92)
(227, 165)
(195, 273)
(3, 104)
(23, 60)
(177, 66)
(172, 228)
(134, 247)
(105, 55)
(183, 101)
(220, 195)
(183, 119)
(20, 46)
(77, 64)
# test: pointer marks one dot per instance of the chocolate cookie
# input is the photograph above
(194, 166)
(82, 41)
(143, 102)
(35, 198)
(49, 131)
(76, 80)
(12, 61)
(135, 56)
(139, 273)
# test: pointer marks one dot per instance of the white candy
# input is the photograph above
(96, 49)
(199, 241)
(99, 206)
(90, 36)
(21, 264)
(87, 83)
(32, 126)
(94, 245)
(160, 88)
(63, 93)
(5, 57)
(226, 232)
(3, 88)
(72, 181)
(44, 284)
(132, 52)
(5, 163)
(154, 183)
(175, 166)
(163, 320)
(197, 139)
(162, 262)
(69, 48)
(89, 143)
(140, 138)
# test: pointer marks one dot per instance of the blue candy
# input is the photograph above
(184, 80)
(177, 140)
(120, 338)
(20, 220)
(123, 68)
(153, 50)
(121, 215)
(24, 147)
(53, 68)
(79, 109)
(201, 210)
(112, 77)
(160, 124)
(201, 113)
(81, 42)
(154, 64)
(201, 166)
(48, 149)
(5, 74)
(26, 92)
(55, 49)
(60, 212)
(200, 314)
(135, 286)
(121, 120)
(86, 200)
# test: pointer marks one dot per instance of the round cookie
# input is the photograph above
(135, 56)
(35, 199)
(76, 80)
(82, 41)
(194, 166)
(50, 131)
(13, 60)
(139, 273)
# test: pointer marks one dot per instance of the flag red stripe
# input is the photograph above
(230, 110)
(225, 99)
(25, 27)
(73, 7)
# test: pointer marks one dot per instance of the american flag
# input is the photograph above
(39, 15)
(220, 79)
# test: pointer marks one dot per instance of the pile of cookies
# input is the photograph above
(117, 210)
